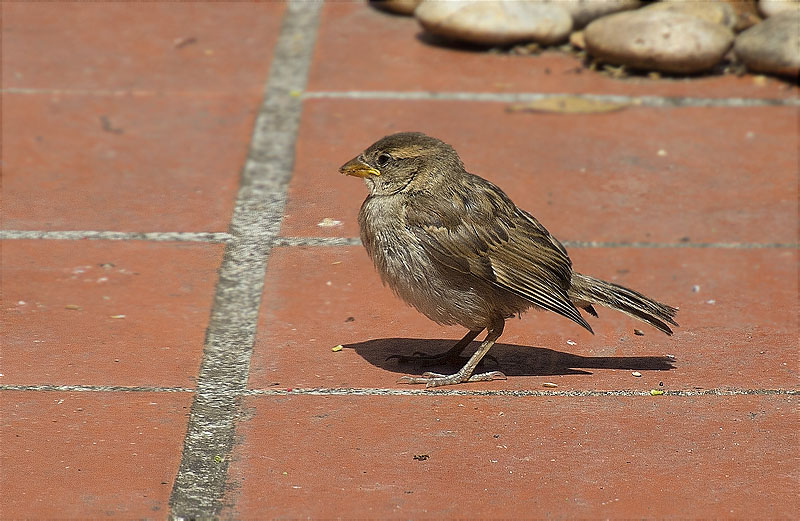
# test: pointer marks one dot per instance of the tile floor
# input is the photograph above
(140, 167)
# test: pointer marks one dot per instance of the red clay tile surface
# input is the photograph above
(596, 177)
(155, 113)
(164, 46)
(89, 455)
(457, 457)
(82, 162)
(730, 334)
(138, 117)
(105, 313)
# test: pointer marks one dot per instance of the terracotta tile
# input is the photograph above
(453, 457)
(90, 455)
(105, 313)
(729, 174)
(190, 46)
(730, 334)
(361, 48)
(123, 163)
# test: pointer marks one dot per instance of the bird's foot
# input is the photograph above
(437, 380)
(426, 360)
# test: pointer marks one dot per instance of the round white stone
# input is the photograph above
(658, 40)
(773, 46)
(495, 22)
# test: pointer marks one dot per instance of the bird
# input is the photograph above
(455, 247)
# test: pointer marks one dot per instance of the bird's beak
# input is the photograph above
(358, 168)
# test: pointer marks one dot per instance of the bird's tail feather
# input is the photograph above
(586, 291)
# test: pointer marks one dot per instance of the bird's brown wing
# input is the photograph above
(484, 234)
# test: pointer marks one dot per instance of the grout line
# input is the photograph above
(97, 388)
(318, 241)
(517, 97)
(72, 235)
(496, 97)
(355, 241)
(217, 237)
(526, 392)
(201, 481)
(136, 93)
(362, 391)
(220, 237)
(637, 244)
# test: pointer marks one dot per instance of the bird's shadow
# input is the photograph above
(513, 360)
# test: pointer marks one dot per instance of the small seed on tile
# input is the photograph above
(327, 222)
(638, 332)
(637, 374)
(549, 384)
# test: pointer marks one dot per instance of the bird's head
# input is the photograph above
(404, 161)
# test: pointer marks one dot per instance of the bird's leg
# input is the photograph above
(448, 356)
(465, 373)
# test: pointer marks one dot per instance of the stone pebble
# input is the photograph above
(772, 7)
(495, 22)
(585, 11)
(773, 46)
(658, 40)
(405, 7)
(720, 13)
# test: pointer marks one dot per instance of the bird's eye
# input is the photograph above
(383, 159)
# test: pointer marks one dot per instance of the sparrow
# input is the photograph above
(456, 247)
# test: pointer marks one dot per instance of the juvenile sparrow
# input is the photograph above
(454, 246)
